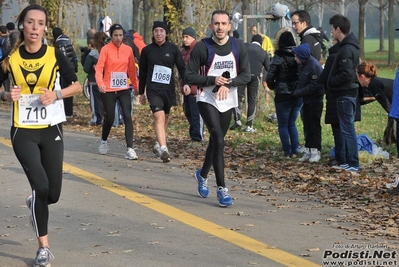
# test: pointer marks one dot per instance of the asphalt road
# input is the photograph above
(116, 212)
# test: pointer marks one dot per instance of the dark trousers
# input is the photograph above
(194, 118)
(252, 95)
(95, 104)
(109, 102)
(41, 153)
(217, 124)
(311, 123)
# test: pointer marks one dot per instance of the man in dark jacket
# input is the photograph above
(343, 84)
(301, 23)
(63, 43)
(258, 60)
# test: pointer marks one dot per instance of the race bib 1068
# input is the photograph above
(161, 74)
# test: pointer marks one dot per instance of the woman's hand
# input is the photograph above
(15, 94)
(48, 97)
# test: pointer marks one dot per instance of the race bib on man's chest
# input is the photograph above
(118, 80)
(161, 74)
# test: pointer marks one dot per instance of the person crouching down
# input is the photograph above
(312, 94)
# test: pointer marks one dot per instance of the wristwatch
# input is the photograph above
(59, 94)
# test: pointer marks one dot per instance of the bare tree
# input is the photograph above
(391, 30)
(362, 12)
(382, 6)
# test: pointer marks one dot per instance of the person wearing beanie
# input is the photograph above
(282, 78)
(115, 73)
(64, 44)
(189, 32)
(157, 62)
(258, 60)
(312, 94)
(226, 64)
(196, 130)
(257, 38)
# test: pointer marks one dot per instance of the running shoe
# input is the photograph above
(394, 184)
(341, 166)
(249, 129)
(224, 197)
(43, 256)
(131, 154)
(157, 150)
(165, 156)
(202, 190)
(352, 169)
(103, 148)
(236, 125)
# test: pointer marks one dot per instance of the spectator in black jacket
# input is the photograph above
(282, 78)
(301, 23)
(343, 84)
(312, 94)
(63, 43)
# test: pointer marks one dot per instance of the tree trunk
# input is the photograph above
(362, 12)
(382, 24)
(60, 16)
(391, 30)
(136, 15)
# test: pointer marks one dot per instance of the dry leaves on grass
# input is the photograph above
(361, 193)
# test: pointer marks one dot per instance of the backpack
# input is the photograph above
(5, 47)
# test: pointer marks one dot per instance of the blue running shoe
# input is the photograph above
(352, 169)
(203, 190)
(224, 197)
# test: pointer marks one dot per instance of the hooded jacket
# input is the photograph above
(342, 79)
(63, 43)
(282, 76)
(313, 37)
(90, 63)
(308, 87)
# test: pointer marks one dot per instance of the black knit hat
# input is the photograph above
(286, 39)
(56, 32)
(160, 24)
(257, 38)
(190, 31)
(10, 26)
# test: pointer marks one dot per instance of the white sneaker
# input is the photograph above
(131, 154)
(394, 184)
(157, 150)
(103, 148)
(249, 129)
(314, 155)
(165, 156)
(305, 156)
(301, 149)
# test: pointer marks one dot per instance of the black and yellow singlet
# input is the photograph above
(32, 72)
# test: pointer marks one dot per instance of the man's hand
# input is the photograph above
(222, 93)
(186, 89)
(142, 99)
